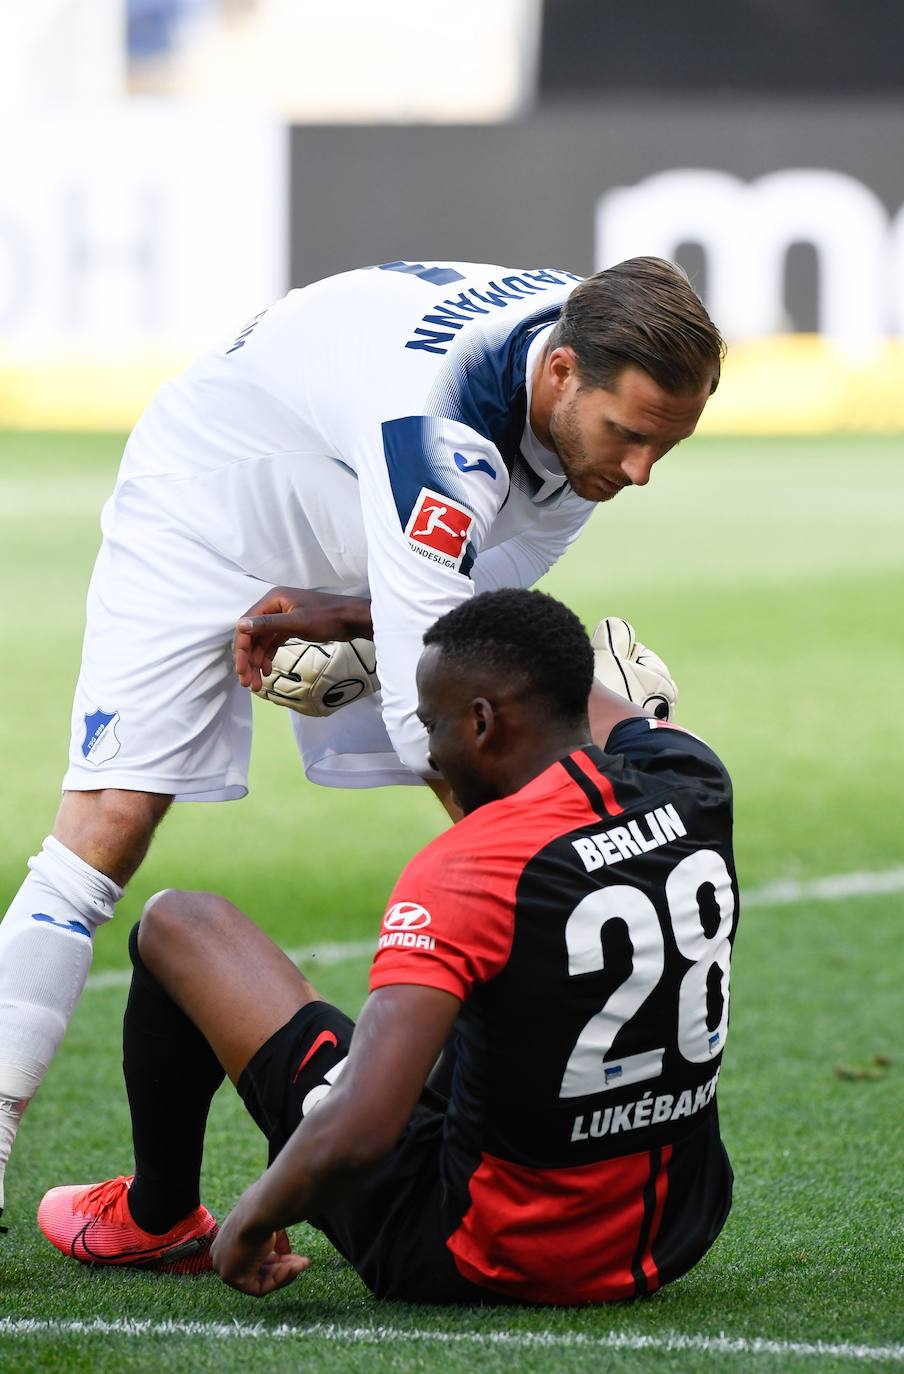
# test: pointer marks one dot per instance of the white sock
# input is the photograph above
(45, 954)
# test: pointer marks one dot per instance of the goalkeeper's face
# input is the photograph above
(607, 440)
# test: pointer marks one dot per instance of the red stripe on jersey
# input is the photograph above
(647, 1263)
(466, 882)
(555, 1235)
(600, 781)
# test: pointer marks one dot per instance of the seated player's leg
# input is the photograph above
(229, 978)
(284, 1048)
(211, 992)
(158, 713)
(198, 962)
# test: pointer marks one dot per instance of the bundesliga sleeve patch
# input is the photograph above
(438, 529)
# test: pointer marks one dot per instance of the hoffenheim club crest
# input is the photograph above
(101, 742)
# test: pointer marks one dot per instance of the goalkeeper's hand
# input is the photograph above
(317, 679)
(631, 670)
(288, 612)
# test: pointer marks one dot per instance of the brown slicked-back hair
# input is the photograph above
(642, 311)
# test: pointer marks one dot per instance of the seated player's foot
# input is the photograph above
(93, 1224)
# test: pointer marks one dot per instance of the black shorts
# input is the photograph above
(390, 1226)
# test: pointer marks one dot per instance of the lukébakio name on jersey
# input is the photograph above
(644, 1111)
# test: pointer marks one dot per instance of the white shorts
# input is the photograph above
(157, 706)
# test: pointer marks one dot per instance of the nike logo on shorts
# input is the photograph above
(324, 1038)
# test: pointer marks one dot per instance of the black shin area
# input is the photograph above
(171, 1076)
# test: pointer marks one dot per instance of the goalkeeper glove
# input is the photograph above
(631, 670)
(318, 679)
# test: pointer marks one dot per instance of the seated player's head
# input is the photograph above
(625, 375)
(503, 684)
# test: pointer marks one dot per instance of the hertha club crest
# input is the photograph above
(439, 529)
(101, 742)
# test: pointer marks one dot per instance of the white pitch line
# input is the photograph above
(784, 892)
(335, 952)
(518, 1340)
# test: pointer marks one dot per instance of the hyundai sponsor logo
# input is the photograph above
(406, 916)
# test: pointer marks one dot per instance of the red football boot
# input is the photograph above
(94, 1226)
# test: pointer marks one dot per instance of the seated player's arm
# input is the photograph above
(606, 709)
(398, 1038)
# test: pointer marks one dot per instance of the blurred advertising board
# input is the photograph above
(131, 236)
(789, 217)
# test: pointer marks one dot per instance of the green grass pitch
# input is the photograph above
(769, 574)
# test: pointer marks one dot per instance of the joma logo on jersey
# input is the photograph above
(438, 529)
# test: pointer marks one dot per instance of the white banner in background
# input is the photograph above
(135, 235)
(849, 375)
(746, 230)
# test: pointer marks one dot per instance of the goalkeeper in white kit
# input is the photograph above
(366, 454)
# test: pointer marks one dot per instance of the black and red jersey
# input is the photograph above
(586, 922)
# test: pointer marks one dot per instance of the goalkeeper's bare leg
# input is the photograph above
(98, 841)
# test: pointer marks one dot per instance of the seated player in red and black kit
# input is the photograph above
(565, 948)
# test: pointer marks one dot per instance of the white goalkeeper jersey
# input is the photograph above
(416, 379)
